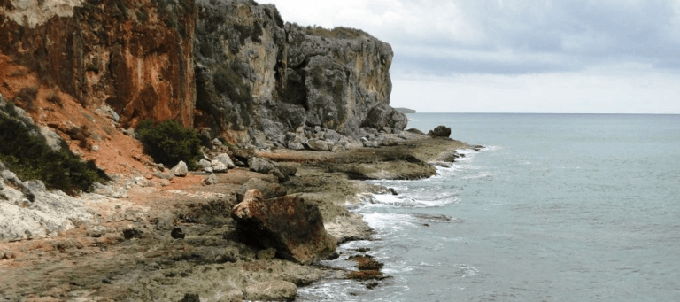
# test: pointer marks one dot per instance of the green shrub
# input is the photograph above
(27, 154)
(169, 143)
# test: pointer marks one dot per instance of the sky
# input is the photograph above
(598, 56)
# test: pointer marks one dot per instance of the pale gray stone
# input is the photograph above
(180, 169)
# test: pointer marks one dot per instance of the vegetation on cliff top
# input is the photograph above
(169, 143)
(336, 33)
(27, 154)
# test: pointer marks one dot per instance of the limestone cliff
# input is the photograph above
(256, 73)
(230, 68)
(136, 56)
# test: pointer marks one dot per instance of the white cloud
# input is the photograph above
(599, 90)
(519, 55)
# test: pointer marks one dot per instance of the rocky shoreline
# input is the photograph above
(184, 240)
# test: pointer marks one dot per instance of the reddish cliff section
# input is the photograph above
(136, 56)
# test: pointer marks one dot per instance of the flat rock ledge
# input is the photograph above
(288, 224)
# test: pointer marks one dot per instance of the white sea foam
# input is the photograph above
(438, 200)
(479, 175)
(388, 220)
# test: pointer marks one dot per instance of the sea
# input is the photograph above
(556, 207)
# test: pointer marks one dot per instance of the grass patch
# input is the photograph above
(169, 143)
(27, 154)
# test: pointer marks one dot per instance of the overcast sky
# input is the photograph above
(619, 56)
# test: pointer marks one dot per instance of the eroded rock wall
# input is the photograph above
(258, 78)
(136, 56)
(230, 67)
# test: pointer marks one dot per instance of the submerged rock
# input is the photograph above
(288, 224)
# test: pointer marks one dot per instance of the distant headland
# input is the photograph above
(405, 110)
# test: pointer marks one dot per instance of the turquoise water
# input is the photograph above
(558, 207)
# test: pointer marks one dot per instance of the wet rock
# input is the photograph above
(177, 233)
(180, 169)
(288, 224)
(369, 268)
(393, 191)
(130, 233)
(440, 131)
(432, 217)
(272, 290)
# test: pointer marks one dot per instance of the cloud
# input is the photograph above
(508, 36)
(519, 55)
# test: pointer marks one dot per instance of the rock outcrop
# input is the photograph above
(231, 67)
(288, 224)
(136, 56)
(258, 78)
(28, 210)
(440, 131)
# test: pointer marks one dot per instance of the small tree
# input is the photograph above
(169, 143)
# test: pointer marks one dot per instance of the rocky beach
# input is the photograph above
(190, 150)
(208, 234)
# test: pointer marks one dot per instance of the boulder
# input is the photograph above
(271, 291)
(383, 116)
(210, 180)
(318, 145)
(261, 165)
(296, 146)
(204, 163)
(180, 169)
(224, 158)
(219, 167)
(288, 224)
(440, 131)
(216, 142)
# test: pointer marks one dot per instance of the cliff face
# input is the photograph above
(230, 68)
(135, 56)
(256, 73)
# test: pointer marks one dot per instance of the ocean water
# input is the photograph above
(557, 207)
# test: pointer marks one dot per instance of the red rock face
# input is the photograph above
(130, 54)
(288, 224)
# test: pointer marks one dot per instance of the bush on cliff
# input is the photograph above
(24, 151)
(169, 143)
